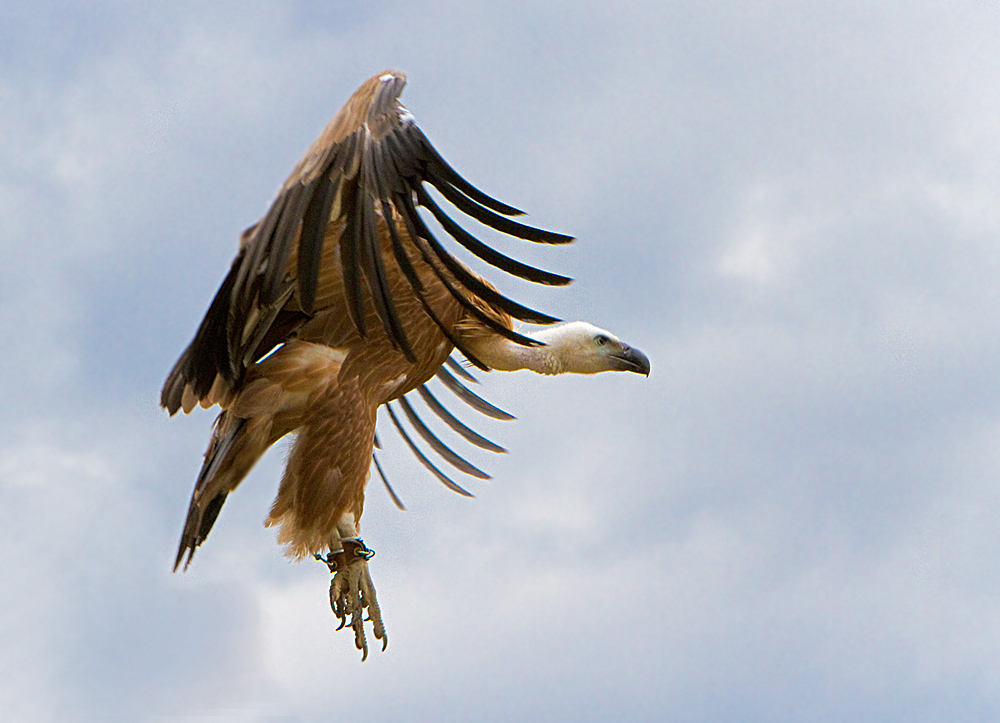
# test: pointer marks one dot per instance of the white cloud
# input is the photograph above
(791, 211)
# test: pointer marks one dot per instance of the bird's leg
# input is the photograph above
(352, 590)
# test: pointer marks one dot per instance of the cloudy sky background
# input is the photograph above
(794, 210)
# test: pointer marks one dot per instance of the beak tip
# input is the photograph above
(634, 361)
(641, 361)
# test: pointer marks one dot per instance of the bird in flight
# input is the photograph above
(341, 300)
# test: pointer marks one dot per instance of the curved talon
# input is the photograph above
(352, 592)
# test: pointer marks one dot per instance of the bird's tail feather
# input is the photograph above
(230, 456)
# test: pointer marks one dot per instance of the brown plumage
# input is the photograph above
(341, 300)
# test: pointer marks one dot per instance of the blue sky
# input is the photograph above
(793, 210)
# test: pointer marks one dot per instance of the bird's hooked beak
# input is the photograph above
(630, 360)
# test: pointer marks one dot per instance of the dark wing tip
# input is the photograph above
(422, 458)
(443, 450)
(460, 370)
(385, 480)
(471, 398)
(452, 421)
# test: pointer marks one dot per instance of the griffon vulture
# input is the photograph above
(341, 300)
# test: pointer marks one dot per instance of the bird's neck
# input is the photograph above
(507, 356)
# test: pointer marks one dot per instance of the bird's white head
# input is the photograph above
(581, 348)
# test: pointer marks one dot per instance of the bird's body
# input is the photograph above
(340, 301)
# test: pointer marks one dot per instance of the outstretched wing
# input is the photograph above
(371, 161)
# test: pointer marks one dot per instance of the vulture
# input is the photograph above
(342, 300)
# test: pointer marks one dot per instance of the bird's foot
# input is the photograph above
(352, 590)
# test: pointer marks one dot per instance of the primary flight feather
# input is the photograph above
(341, 300)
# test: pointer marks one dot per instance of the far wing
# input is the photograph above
(406, 409)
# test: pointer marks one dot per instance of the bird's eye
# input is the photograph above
(601, 340)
